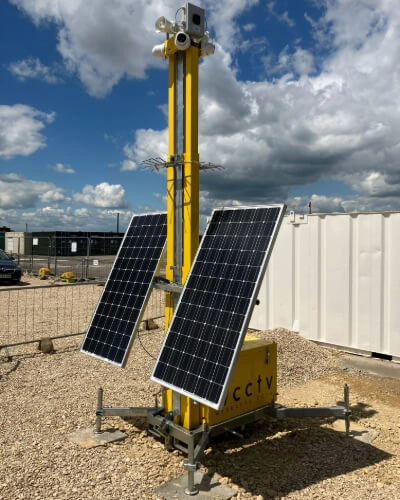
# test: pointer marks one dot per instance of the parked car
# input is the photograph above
(10, 272)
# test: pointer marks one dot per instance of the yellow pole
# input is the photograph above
(183, 184)
(191, 159)
(183, 154)
(169, 274)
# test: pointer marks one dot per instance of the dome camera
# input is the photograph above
(182, 40)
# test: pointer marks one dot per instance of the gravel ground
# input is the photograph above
(46, 397)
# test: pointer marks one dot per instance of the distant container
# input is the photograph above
(335, 279)
(17, 243)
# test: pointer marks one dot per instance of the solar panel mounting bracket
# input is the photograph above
(167, 286)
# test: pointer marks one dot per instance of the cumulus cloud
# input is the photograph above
(329, 111)
(50, 217)
(303, 62)
(18, 192)
(103, 41)
(103, 195)
(378, 184)
(341, 123)
(318, 204)
(147, 144)
(20, 128)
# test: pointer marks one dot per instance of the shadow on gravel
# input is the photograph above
(359, 410)
(282, 459)
(10, 369)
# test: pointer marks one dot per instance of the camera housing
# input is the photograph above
(182, 40)
(194, 20)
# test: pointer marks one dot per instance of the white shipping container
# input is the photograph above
(335, 278)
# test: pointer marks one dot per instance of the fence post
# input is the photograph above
(87, 258)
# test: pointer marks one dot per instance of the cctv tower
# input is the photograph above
(187, 41)
(214, 377)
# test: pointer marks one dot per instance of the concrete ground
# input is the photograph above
(375, 366)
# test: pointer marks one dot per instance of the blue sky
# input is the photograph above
(299, 103)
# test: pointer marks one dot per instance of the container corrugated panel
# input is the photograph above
(335, 278)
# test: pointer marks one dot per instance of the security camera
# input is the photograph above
(182, 40)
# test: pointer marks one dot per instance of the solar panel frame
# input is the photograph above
(209, 300)
(120, 308)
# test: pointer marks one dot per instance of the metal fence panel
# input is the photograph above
(87, 257)
(29, 313)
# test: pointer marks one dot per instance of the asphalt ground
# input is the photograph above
(375, 366)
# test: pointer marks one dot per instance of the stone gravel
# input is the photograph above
(46, 397)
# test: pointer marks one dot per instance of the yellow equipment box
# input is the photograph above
(253, 386)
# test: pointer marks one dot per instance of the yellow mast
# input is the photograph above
(189, 42)
(183, 171)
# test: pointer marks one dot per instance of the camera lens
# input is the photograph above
(181, 37)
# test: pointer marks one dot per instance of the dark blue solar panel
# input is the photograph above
(121, 305)
(206, 333)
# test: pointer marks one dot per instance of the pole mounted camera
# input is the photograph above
(182, 40)
(190, 29)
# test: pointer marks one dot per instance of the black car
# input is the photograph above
(10, 272)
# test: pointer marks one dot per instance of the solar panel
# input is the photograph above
(118, 313)
(206, 333)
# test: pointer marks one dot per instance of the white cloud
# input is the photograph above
(319, 204)
(50, 218)
(53, 195)
(283, 18)
(62, 169)
(303, 62)
(224, 18)
(127, 165)
(342, 123)
(18, 192)
(331, 114)
(20, 127)
(103, 41)
(32, 68)
(148, 144)
(378, 184)
(103, 195)
(249, 27)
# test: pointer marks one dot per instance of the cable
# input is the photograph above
(143, 347)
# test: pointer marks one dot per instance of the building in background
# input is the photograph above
(61, 243)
